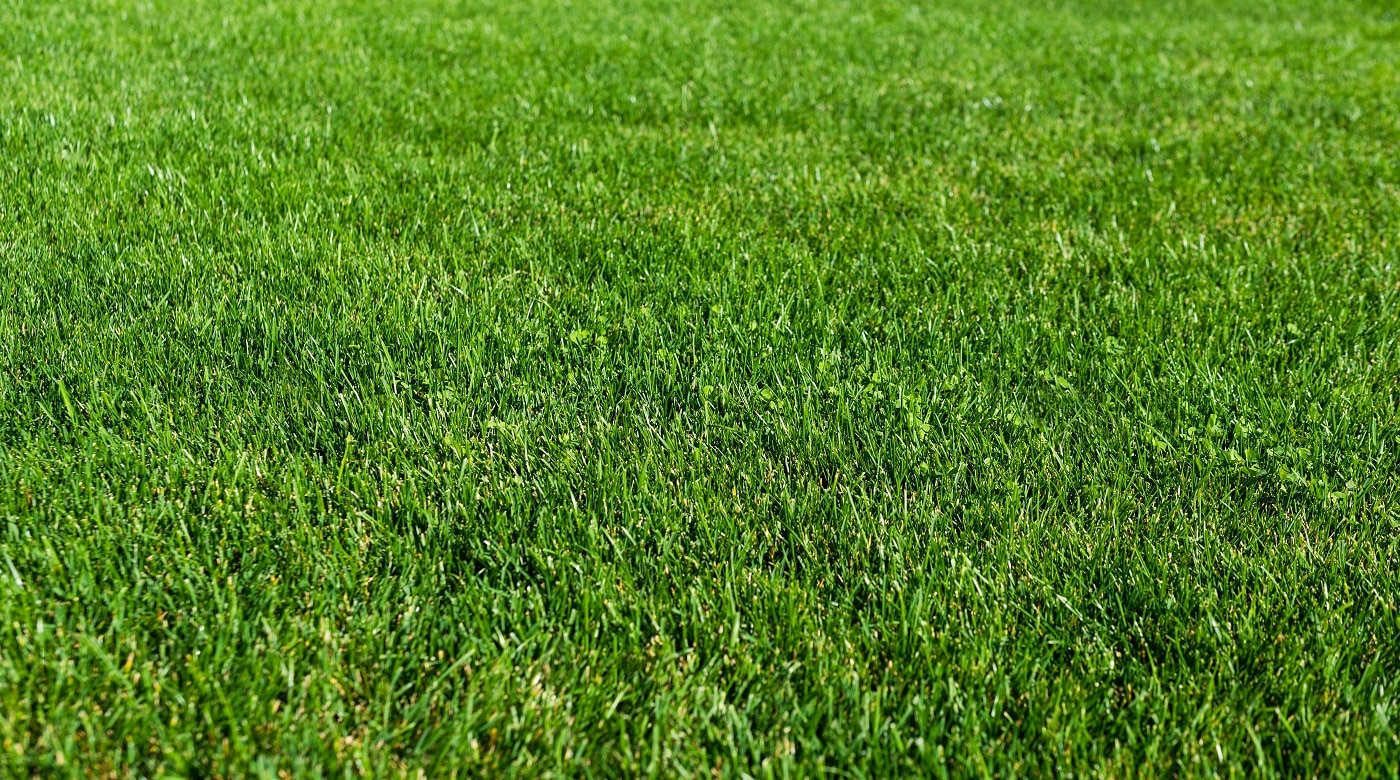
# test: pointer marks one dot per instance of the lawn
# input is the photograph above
(626, 387)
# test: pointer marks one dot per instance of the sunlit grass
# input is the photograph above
(625, 388)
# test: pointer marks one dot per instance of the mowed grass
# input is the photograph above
(618, 387)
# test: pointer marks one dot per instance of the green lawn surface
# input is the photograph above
(767, 388)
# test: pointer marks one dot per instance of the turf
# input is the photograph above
(616, 387)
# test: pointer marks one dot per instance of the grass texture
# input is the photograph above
(625, 387)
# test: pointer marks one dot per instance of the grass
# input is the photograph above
(617, 387)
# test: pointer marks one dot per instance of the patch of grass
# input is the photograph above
(623, 387)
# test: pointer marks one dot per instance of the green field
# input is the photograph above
(626, 387)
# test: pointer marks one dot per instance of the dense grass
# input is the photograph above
(627, 387)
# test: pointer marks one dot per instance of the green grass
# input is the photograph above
(619, 387)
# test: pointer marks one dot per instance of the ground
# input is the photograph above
(622, 387)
